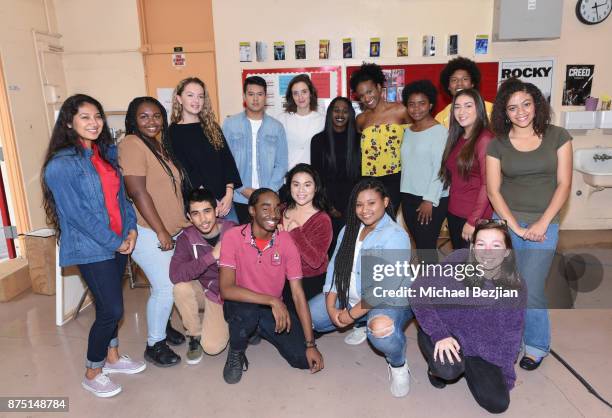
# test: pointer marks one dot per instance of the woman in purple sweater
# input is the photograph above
(471, 323)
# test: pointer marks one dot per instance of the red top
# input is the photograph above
(110, 188)
(312, 240)
(468, 196)
(262, 271)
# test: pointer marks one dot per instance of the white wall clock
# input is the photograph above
(592, 12)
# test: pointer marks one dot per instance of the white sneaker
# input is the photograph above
(101, 386)
(356, 337)
(400, 380)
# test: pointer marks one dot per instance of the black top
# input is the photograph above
(337, 183)
(212, 241)
(204, 166)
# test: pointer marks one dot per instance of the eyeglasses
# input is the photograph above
(484, 222)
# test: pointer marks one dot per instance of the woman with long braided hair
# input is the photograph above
(199, 145)
(154, 182)
(345, 300)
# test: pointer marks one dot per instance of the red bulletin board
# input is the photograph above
(299, 70)
(488, 80)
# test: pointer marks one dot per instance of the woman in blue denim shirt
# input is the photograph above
(85, 201)
(369, 226)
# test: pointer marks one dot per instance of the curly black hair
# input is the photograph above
(460, 63)
(425, 87)
(367, 72)
(499, 120)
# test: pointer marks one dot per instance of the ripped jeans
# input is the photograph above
(393, 342)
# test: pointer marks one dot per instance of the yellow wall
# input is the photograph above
(272, 20)
(101, 42)
(17, 20)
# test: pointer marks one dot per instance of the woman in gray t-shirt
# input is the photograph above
(529, 177)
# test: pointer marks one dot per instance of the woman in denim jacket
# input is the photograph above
(85, 200)
(369, 226)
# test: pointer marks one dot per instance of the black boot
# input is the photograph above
(436, 381)
(173, 337)
(161, 355)
(235, 364)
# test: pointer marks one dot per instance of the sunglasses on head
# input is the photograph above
(485, 222)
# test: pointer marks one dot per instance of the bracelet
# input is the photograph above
(348, 311)
(229, 187)
(310, 344)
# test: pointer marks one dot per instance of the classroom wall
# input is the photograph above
(102, 56)
(18, 18)
(288, 21)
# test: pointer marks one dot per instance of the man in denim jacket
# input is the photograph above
(256, 141)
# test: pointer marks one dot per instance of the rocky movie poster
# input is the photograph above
(538, 72)
(578, 83)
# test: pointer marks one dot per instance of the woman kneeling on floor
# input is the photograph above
(369, 226)
(475, 328)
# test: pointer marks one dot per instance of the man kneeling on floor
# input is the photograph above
(255, 261)
(195, 274)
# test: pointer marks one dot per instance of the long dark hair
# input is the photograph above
(131, 128)
(465, 159)
(353, 154)
(499, 119)
(319, 201)
(343, 263)
(509, 275)
(290, 105)
(64, 136)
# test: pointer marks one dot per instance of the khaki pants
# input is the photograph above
(189, 298)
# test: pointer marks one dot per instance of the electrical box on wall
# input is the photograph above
(522, 20)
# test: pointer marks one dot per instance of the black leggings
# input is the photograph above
(455, 228)
(425, 235)
(392, 184)
(485, 380)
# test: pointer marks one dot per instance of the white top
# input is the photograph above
(300, 130)
(255, 125)
(353, 296)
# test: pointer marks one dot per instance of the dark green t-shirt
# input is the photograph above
(529, 179)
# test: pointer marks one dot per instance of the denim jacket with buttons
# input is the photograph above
(387, 235)
(271, 152)
(86, 236)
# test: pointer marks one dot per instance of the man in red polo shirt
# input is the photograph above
(255, 261)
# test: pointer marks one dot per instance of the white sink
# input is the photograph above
(596, 171)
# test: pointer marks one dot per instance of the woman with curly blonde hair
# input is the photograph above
(198, 143)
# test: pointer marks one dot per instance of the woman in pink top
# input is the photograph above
(463, 166)
(305, 218)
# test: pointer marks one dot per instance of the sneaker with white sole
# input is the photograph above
(125, 365)
(400, 380)
(357, 336)
(101, 386)
(195, 352)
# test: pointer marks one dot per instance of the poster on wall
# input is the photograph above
(245, 52)
(536, 71)
(374, 47)
(326, 79)
(452, 46)
(481, 45)
(429, 45)
(324, 49)
(279, 51)
(347, 48)
(261, 51)
(402, 46)
(578, 84)
(300, 50)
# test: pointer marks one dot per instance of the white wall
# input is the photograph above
(290, 20)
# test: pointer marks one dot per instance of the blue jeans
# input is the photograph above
(534, 260)
(393, 346)
(155, 264)
(104, 281)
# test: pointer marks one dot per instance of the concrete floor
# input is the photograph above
(39, 359)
